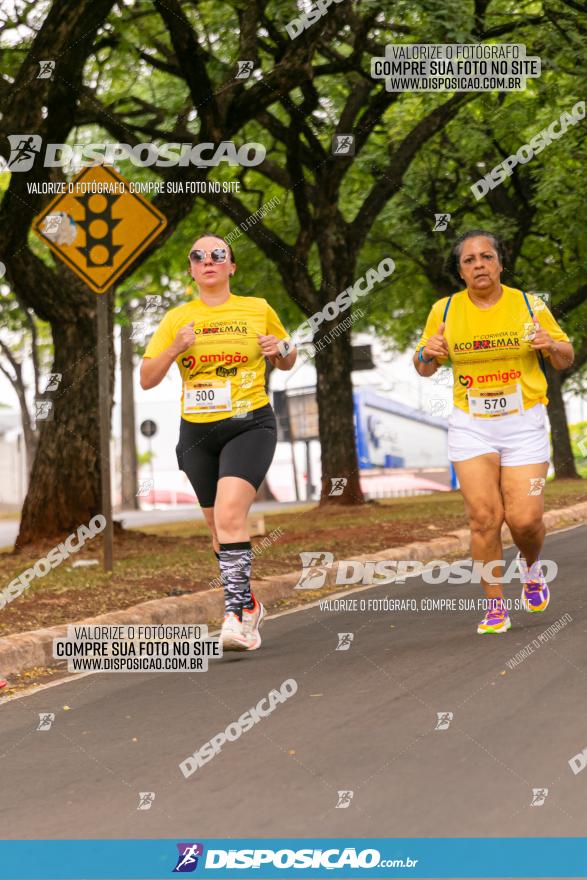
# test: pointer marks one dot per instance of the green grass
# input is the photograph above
(174, 558)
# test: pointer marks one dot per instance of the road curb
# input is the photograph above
(35, 648)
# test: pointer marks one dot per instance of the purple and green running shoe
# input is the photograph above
(497, 620)
(535, 594)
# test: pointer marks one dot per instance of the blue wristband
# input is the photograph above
(422, 358)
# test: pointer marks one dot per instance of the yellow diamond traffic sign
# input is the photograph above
(98, 227)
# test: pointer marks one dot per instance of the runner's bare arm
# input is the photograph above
(284, 363)
(153, 370)
(425, 369)
(561, 354)
(436, 346)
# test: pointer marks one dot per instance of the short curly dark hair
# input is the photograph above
(455, 254)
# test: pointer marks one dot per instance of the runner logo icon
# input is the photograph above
(338, 484)
(187, 860)
(444, 719)
(344, 799)
(441, 222)
(46, 719)
(146, 799)
(23, 151)
(539, 795)
(313, 577)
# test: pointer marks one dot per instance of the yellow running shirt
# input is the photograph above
(490, 348)
(223, 374)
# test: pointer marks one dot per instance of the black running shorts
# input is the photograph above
(232, 447)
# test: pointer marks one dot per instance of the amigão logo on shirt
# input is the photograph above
(501, 376)
(224, 358)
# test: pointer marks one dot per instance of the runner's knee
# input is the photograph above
(228, 520)
(525, 524)
(486, 523)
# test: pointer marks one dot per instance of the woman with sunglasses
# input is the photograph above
(227, 434)
(497, 338)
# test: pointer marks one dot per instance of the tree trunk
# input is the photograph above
(334, 392)
(65, 482)
(562, 453)
(30, 444)
(128, 442)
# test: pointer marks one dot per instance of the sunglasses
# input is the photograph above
(218, 255)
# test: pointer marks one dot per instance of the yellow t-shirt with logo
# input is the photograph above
(490, 348)
(226, 350)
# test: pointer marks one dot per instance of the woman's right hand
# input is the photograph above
(437, 346)
(184, 338)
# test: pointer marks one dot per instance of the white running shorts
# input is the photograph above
(518, 440)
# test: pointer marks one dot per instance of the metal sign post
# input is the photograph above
(302, 413)
(148, 430)
(104, 413)
(292, 444)
(309, 478)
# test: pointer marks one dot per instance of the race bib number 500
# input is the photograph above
(206, 396)
(505, 401)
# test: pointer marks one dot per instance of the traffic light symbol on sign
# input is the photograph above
(99, 225)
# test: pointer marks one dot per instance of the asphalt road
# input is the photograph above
(362, 720)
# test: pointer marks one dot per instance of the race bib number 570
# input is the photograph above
(206, 396)
(505, 401)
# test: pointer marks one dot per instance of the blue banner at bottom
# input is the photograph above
(227, 858)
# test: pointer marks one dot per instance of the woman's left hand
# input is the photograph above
(269, 345)
(541, 339)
